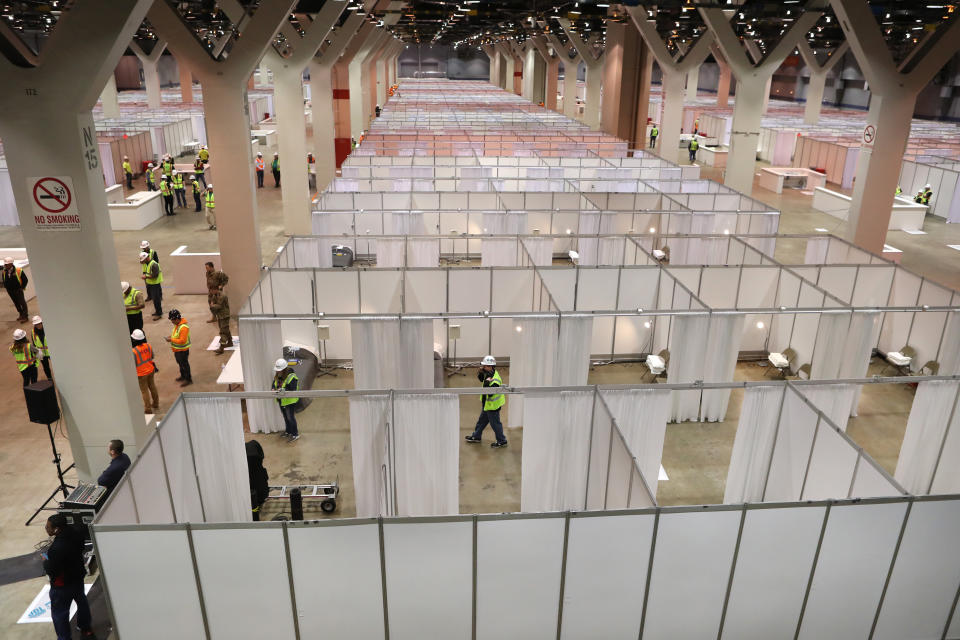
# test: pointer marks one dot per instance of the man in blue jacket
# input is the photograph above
(119, 463)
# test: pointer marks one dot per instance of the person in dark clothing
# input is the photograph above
(63, 562)
(15, 281)
(119, 463)
(275, 167)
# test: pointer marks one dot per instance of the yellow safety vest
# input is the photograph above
(694, 145)
(198, 168)
(147, 267)
(209, 197)
(291, 377)
(40, 343)
(497, 400)
(178, 181)
(150, 177)
(167, 168)
(175, 342)
(654, 132)
(22, 355)
(196, 186)
(164, 188)
(131, 299)
(127, 168)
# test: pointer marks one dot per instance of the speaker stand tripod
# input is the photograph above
(60, 473)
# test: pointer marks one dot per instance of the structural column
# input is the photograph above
(359, 83)
(494, 57)
(723, 82)
(552, 73)
(893, 96)
(228, 127)
(627, 68)
(326, 149)
(186, 82)
(693, 82)
(752, 84)
(48, 132)
(818, 77)
(151, 75)
(109, 99)
(591, 111)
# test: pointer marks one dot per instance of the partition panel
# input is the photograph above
(832, 463)
(150, 486)
(791, 450)
(179, 462)
(518, 584)
(338, 291)
(777, 548)
(291, 290)
(339, 595)
(926, 575)
(234, 602)
(122, 508)
(855, 555)
(607, 562)
(126, 557)
(469, 290)
(381, 291)
(425, 291)
(429, 574)
(689, 575)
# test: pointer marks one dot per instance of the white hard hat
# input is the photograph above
(138, 335)
(8, 260)
(144, 255)
(280, 365)
(276, 153)
(210, 186)
(124, 285)
(37, 320)
(259, 153)
(144, 244)
(489, 361)
(193, 177)
(149, 165)
(19, 334)
(926, 186)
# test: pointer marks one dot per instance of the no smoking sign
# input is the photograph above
(54, 204)
(869, 135)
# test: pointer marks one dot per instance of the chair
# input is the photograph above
(782, 361)
(804, 369)
(900, 359)
(662, 377)
(932, 365)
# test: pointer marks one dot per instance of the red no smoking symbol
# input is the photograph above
(869, 133)
(52, 195)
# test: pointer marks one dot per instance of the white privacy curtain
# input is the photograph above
(540, 250)
(753, 444)
(723, 347)
(263, 344)
(857, 349)
(816, 252)
(392, 354)
(501, 252)
(688, 337)
(599, 251)
(423, 252)
(405, 223)
(556, 437)
(426, 454)
(642, 415)
(950, 347)
(829, 347)
(368, 449)
(573, 351)
(389, 252)
(216, 433)
(532, 361)
(928, 427)
(834, 400)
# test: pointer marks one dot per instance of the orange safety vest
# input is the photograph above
(143, 359)
(180, 339)
(259, 162)
(18, 274)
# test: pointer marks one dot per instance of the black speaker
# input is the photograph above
(42, 402)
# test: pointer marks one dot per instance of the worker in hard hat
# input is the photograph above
(284, 379)
(275, 168)
(38, 338)
(211, 207)
(490, 377)
(153, 277)
(179, 340)
(133, 304)
(258, 165)
(146, 368)
(195, 185)
(15, 282)
(151, 177)
(927, 194)
(25, 355)
(128, 172)
(145, 247)
(199, 170)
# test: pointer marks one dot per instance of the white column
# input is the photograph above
(109, 100)
(263, 75)
(668, 140)
(151, 78)
(818, 78)
(693, 82)
(359, 86)
(291, 135)
(745, 133)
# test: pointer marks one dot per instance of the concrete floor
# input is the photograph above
(695, 455)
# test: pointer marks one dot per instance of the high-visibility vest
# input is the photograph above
(497, 400)
(150, 177)
(694, 145)
(178, 181)
(654, 132)
(23, 355)
(209, 199)
(127, 168)
(899, 190)
(275, 165)
(291, 377)
(167, 168)
(148, 267)
(180, 337)
(204, 155)
(131, 299)
(198, 167)
(40, 343)
(18, 274)
(154, 256)
(926, 196)
(259, 163)
(196, 186)
(143, 359)
(164, 188)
